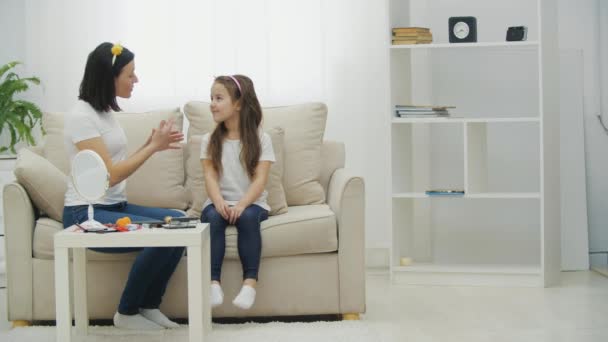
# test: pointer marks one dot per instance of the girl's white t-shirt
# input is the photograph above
(84, 122)
(234, 181)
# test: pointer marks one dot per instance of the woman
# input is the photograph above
(92, 125)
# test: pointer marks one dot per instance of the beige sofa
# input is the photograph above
(313, 252)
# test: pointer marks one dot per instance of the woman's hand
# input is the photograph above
(223, 208)
(149, 138)
(235, 213)
(163, 137)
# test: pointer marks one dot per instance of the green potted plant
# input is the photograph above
(17, 117)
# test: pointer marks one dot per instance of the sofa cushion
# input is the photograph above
(276, 192)
(54, 146)
(304, 126)
(158, 182)
(44, 183)
(195, 181)
(305, 229)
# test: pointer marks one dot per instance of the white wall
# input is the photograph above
(579, 29)
(12, 32)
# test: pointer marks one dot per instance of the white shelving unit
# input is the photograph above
(500, 145)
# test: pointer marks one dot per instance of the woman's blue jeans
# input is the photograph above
(249, 239)
(153, 266)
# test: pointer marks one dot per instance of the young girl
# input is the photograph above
(236, 159)
(110, 73)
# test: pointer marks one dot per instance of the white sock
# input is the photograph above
(158, 317)
(217, 295)
(134, 322)
(245, 298)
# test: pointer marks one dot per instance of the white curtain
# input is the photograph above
(180, 46)
(295, 51)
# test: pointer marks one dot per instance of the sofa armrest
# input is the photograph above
(346, 198)
(19, 220)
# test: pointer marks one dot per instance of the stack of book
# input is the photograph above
(412, 35)
(410, 111)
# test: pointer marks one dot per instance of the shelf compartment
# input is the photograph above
(497, 163)
(426, 157)
(465, 80)
(491, 236)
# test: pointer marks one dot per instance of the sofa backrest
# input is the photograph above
(159, 182)
(332, 158)
(303, 126)
(162, 181)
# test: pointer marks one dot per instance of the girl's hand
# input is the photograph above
(235, 213)
(164, 137)
(223, 209)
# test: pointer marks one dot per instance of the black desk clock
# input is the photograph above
(462, 29)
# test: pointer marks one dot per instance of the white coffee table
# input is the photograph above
(196, 240)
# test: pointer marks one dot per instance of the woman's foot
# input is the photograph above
(217, 295)
(246, 296)
(158, 317)
(134, 322)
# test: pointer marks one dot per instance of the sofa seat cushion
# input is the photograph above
(305, 229)
(43, 243)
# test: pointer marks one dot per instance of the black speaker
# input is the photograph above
(517, 33)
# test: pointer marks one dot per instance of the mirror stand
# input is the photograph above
(90, 223)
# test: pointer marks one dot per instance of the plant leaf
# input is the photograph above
(7, 67)
(19, 117)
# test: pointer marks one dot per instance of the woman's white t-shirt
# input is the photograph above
(234, 180)
(84, 122)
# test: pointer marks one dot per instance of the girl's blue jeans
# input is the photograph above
(249, 239)
(153, 266)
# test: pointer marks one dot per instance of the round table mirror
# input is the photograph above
(91, 181)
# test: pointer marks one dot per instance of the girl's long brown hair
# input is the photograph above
(250, 118)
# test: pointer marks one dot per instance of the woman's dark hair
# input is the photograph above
(97, 86)
(250, 118)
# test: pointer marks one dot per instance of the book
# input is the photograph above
(445, 192)
(412, 35)
(410, 42)
(412, 29)
(423, 109)
(434, 107)
(445, 112)
(415, 115)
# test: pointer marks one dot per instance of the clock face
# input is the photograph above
(461, 30)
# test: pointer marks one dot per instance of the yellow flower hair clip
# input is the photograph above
(116, 51)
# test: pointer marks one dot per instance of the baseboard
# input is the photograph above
(376, 258)
(603, 270)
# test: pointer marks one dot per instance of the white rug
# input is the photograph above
(351, 331)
